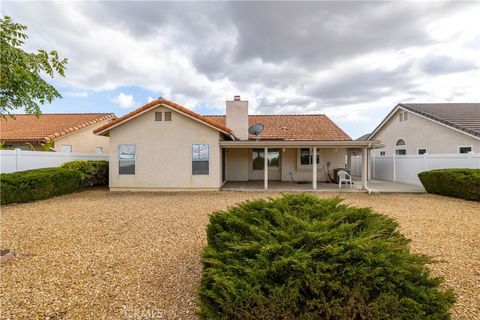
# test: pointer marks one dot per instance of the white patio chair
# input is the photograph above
(343, 176)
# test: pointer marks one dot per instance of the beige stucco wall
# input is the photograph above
(239, 165)
(164, 153)
(419, 132)
(336, 157)
(84, 140)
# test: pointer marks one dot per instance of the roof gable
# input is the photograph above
(47, 127)
(315, 127)
(461, 117)
(103, 130)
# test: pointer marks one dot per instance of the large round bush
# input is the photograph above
(300, 257)
(458, 183)
(37, 184)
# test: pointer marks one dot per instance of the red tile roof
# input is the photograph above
(277, 127)
(317, 127)
(46, 127)
(170, 104)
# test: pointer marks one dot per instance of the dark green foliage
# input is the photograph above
(31, 185)
(22, 84)
(458, 183)
(300, 257)
(93, 173)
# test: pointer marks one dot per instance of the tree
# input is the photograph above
(21, 82)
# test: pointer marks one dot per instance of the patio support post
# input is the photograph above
(265, 168)
(370, 165)
(314, 170)
(364, 167)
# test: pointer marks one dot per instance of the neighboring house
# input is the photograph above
(67, 132)
(434, 128)
(164, 146)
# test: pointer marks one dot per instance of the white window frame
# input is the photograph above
(134, 159)
(465, 146)
(66, 145)
(201, 160)
(418, 149)
(98, 149)
(402, 147)
(382, 153)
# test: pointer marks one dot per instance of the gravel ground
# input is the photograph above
(103, 255)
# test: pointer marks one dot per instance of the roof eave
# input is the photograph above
(301, 143)
(170, 105)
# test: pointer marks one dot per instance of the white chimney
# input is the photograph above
(237, 117)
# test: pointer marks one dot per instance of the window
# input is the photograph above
(200, 159)
(126, 159)
(273, 157)
(405, 116)
(422, 150)
(158, 116)
(306, 155)
(258, 160)
(401, 152)
(66, 148)
(400, 142)
(464, 149)
(382, 153)
(98, 150)
(402, 116)
(168, 116)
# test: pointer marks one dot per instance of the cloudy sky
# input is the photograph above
(350, 60)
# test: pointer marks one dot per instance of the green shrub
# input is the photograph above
(458, 183)
(93, 173)
(299, 257)
(26, 186)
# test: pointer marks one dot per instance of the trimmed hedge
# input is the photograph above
(93, 173)
(300, 257)
(31, 185)
(458, 183)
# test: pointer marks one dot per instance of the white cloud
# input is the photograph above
(341, 59)
(125, 101)
(150, 99)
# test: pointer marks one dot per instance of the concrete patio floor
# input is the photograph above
(377, 186)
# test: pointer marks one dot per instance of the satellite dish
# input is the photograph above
(256, 129)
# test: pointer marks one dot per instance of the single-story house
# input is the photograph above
(433, 128)
(65, 132)
(165, 146)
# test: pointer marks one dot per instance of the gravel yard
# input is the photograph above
(97, 254)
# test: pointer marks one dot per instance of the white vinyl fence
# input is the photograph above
(20, 160)
(406, 168)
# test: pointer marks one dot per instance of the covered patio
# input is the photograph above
(291, 165)
(374, 186)
(290, 186)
